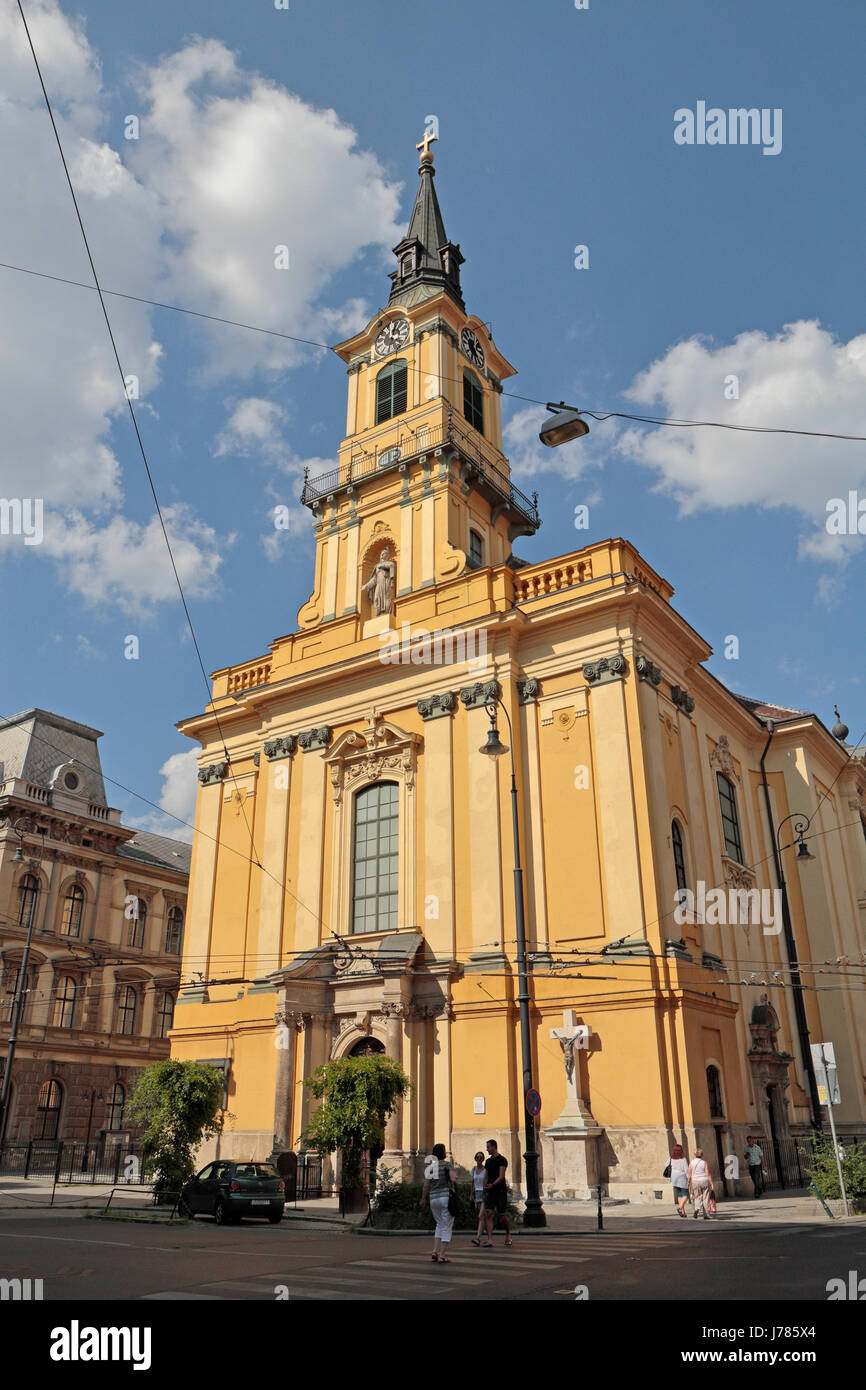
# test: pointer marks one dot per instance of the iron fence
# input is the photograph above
(788, 1158)
(66, 1162)
(309, 1179)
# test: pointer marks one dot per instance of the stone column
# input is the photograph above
(291, 1023)
(393, 1015)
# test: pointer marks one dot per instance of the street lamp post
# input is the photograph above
(799, 824)
(534, 1213)
(21, 985)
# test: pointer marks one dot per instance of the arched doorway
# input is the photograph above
(369, 1047)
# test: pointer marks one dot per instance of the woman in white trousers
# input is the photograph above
(438, 1184)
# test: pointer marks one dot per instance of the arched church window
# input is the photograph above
(473, 402)
(730, 818)
(391, 391)
(679, 856)
(714, 1090)
(476, 550)
(376, 858)
(367, 1047)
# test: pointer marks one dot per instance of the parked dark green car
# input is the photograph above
(227, 1191)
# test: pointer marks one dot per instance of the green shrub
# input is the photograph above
(822, 1170)
(395, 1205)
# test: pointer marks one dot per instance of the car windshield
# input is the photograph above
(256, 1170)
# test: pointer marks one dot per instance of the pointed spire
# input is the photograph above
(427, 262)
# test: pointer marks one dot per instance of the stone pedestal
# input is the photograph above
(571, 1160)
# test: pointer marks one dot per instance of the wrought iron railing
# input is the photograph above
(67, 1162)
(412, 444)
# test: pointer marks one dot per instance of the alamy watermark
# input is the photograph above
(721, 907)
(846, 517)
(22, 516)
(736, 126)
(420, 647)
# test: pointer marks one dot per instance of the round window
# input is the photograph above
(70, 781)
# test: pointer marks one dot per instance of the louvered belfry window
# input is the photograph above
(391, 391)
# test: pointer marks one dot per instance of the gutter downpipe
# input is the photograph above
(790, 945)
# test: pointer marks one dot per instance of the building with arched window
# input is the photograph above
(381, 913)
(103, 905)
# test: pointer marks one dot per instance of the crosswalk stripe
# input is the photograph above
(178, 1295)
(510, 1258)
(403, 1270)
(354, 1295)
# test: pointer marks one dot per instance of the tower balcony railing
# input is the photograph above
(411, 443)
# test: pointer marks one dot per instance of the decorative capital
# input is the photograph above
(280, 747)
(311, 739)
(646, 671)
(437, 706)
(394, 1010)
(606, 668)
(213, 773)
(290, 1018)
(528, 691)
(480, 694)
(682, 699)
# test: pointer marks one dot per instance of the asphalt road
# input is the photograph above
(92, 1260)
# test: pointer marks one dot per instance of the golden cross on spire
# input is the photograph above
(424, 145)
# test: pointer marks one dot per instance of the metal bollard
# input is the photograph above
(600, 1216)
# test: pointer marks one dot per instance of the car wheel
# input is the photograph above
(275, 1217)
(221, 1214)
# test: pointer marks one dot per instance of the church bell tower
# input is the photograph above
(422, 491)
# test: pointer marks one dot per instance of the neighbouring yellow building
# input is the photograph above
(351, 880)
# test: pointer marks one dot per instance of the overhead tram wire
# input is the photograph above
(599, 415)
(97, 286)
(140, 441)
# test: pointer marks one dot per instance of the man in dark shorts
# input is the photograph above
(495, 1193)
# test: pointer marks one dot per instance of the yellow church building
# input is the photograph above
(352, 872)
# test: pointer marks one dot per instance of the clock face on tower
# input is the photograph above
(392, 337)
(471, 346)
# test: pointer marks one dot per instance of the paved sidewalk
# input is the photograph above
(18, 1195)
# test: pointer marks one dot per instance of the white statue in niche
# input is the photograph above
(380, 585)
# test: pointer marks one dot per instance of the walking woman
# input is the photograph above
(679, 1178)
(479, 1177)
(439, 1188)
(700, 1184)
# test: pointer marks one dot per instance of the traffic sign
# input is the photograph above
(533, 1102)
(826, 1073)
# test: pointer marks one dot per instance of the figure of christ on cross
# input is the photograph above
(571, 1037)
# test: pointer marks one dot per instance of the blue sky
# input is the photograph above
(298, 127)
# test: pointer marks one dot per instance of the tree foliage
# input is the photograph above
(358, 1095)
(178, 1104)
(825, 1175)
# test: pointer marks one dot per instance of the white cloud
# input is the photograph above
(228, 166)
(801, 378)
(240, 167)
(126, 563)
(179, 775)
(254, 427)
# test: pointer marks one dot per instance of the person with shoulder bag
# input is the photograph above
(678, 1172)
(440, 1185)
